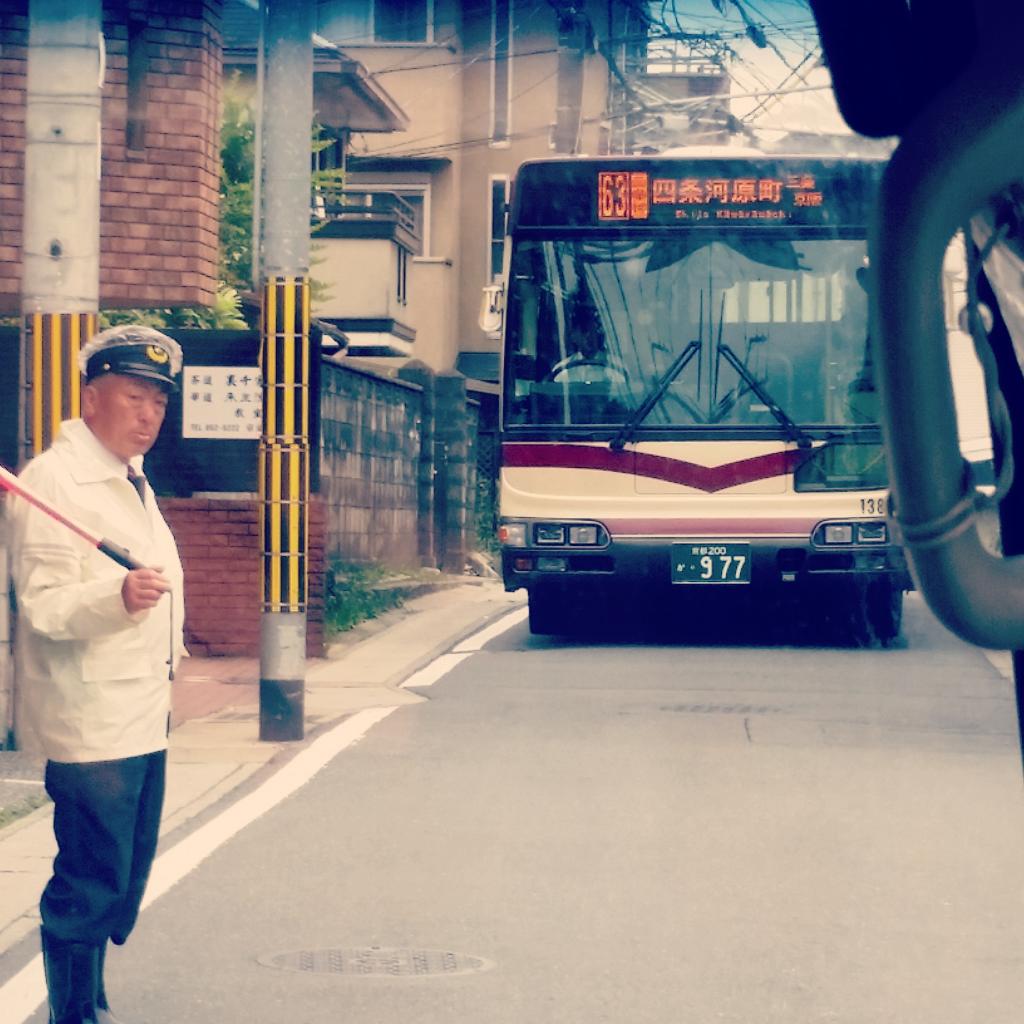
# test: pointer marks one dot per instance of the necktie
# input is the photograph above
(138, 481)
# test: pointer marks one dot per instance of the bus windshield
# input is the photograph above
(744, 320)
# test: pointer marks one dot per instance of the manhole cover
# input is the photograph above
(376, 961)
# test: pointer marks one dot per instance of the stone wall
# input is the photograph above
(370, 427)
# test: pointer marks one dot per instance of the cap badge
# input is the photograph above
(157, 354)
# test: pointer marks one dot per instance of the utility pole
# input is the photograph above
(575, 40)
(60, 254)
(285, 363)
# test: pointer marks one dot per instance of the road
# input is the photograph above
(628, 830)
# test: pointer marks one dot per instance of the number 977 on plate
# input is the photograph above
(710, 561)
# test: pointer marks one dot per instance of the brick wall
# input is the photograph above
(159, 214)
(218, 540)
(13, 43)
(159, 201)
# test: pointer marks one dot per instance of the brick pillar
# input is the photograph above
(420, 374)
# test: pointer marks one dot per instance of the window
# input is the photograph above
(416, 197)
(501, 71)
(417, 201)
(351, 22)
(635, 305)
(402, 276)
(499, 186)
(402, 21)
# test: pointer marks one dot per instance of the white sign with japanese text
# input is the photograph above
(221, 402)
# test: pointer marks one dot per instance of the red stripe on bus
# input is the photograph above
(654, 467)
(746, 527)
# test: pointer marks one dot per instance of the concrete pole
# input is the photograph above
(573, 42)
(284, 445)
(60, 258)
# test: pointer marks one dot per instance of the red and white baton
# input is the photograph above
(114, 551)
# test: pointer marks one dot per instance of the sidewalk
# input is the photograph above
(215, 744)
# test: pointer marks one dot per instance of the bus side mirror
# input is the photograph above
(492, 309)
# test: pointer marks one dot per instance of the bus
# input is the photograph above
(688, 401)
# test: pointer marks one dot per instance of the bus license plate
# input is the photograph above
(710, 562)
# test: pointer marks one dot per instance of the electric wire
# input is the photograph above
(677, 105)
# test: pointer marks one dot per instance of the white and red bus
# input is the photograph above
(687, 397)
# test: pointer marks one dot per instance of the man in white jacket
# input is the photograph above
(96, 647)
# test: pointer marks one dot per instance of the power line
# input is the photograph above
(673, 105)
(795, 73)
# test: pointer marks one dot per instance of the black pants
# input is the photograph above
(106, 818)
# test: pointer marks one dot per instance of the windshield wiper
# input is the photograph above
(653, 396)
(802, 438)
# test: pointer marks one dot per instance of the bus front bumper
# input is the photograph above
(652, 563)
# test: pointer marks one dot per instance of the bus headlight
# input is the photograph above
(872, 533)
(512, 535)
(838, 533)
(868, 532)
(549, 533)
(582, 534)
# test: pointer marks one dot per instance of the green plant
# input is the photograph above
(486, 518)
(22, 808)
(354, 593)
(224, 314)
(237, 150)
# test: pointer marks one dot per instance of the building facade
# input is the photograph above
(485, 87)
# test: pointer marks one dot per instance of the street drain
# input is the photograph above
(377, 962)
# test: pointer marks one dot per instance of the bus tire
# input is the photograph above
(883, 608)
(546, 612)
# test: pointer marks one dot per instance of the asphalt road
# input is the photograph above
(630, 829)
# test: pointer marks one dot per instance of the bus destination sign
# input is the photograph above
(643, 197)
(710, 193)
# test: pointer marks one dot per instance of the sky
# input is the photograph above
(789, 61)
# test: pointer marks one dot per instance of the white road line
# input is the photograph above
(26, 991)
(488, 633)
(183, 857)
(429, 674)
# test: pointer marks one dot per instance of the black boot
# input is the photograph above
(103, 1014)
(70, 980)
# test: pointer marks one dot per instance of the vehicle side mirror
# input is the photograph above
(492, 309)
(961, 150)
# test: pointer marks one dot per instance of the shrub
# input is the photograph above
(355, 593)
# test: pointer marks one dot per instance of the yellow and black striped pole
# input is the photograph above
(284, 499)
(286, 114)
(51, 375)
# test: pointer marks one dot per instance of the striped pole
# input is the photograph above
(284, 498)
(52, 342)
(287, 113)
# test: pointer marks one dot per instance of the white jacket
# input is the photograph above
(92, 681)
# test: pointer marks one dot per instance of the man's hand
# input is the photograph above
(142, 589)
